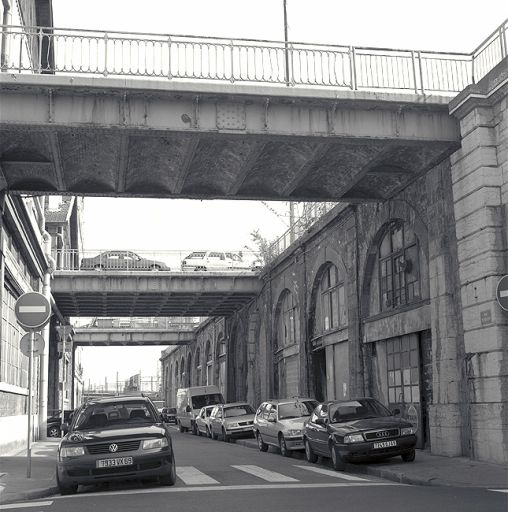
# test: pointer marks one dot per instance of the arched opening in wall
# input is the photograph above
(221, 363)
(286, 375)
(182, 373)
(176, 382)
(209, 363)
(197, 358)
(400, 360)
(328, 322)
(188, 379)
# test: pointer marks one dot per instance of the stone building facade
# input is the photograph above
(394, 300)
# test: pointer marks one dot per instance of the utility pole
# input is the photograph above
(292, 236)
(286, 49)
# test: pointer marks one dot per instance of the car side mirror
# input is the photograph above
(188, 409)
(396, 412)
(65, 428)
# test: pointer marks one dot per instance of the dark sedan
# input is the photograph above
(54, 426)
(355, 430)
(121, 260)
(116, 438)
(169, 414)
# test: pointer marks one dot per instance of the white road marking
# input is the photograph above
(192, 476)
(26, 505)
(219, 488)
(32, 309)
(335, 474)
(499, 490)
(265, 474)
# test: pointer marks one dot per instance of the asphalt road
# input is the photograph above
(216, 476)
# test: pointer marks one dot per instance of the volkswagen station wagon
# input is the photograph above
(355, 430)
(118, 438)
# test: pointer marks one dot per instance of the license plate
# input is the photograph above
(111, 463)
(385, 444)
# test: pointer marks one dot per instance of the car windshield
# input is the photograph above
(357, 410)
(296, 409)
(238, 410)
(96, 416)
(196, 255)
(199, 401)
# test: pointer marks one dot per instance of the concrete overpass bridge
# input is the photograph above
(168, 294)
(356, 124)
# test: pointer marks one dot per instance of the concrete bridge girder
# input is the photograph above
(127, 337)
(153, 139)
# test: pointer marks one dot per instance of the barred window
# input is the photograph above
(286, 320)
(198, 366)
(403, 370)
(399, 276)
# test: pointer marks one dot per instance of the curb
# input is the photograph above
(29, 495)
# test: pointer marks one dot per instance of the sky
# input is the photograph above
(169, 224)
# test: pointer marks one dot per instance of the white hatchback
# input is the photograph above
(215, 260)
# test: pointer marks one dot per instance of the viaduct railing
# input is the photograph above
(164, 56)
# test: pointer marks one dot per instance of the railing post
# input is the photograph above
(105, 73)
(170, 76)
(421, 72)
(352, 67)
(502, 40)
(413, 62)
(472, 69)
(232, 79)
(39, 66)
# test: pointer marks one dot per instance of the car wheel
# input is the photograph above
(53, 432)
(98, 267)
(263, 447)
(309, 452)
(283, 447)
(194, 429)
(215, 436)
(409, 456)
(225, 437)
(208, 433)
(171, 478)
(65, 490)
(337, 461)
(181, 427)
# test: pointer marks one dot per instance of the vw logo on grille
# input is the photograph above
(113, 448)
(383, 433)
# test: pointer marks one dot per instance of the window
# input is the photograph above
(403, 370)
(198, 367)
(286, 321)
(333, 307)
(209, 363)
(399, 279)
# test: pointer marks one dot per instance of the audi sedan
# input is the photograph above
(355, 430)
(116, 438)
(121, 260)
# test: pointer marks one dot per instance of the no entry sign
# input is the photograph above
(502, 293)
(32, 310)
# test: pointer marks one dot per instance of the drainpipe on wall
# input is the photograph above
(44, 357)
(6, 20)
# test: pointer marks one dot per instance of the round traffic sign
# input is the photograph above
(32, 310)
(37, 347)
(502, 292)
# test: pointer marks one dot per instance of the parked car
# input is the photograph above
(169, 414)
(232, 420)
(358, 429)
(203, 421)
(189, 402)
(54, 423)
(281, 422)
(218, 260)
(115, 438)
(121, 260)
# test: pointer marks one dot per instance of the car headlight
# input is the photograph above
(294, 432)
(231, 425)
(408, 431)
(353, 438)
(150, 444)
(71, 451)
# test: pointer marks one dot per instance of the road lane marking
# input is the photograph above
(499, 490)
(335, 474)
(26, 505)
(192, 476)
(220, 488)
(265, 474)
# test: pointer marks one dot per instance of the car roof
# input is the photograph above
(289, 400)
(235, 404)
(116, 399)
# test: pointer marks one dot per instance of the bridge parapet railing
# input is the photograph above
(144, 323)
(165, 56)
(143, 260)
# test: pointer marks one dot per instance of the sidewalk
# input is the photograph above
(427, 469)
(15, 486)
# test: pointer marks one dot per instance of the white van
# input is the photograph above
(190, 400)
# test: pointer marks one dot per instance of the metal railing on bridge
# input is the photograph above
(144, 323)
(164, 56)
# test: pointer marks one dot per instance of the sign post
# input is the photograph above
(33, 312)
(502, 292)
